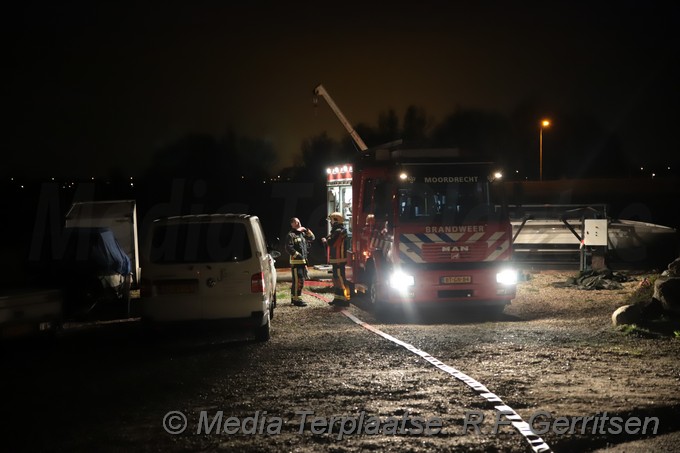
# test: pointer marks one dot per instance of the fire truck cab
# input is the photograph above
(424, 228)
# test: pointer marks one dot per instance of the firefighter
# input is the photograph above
(297, 245)
(337, 258)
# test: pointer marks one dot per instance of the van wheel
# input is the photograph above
(263, 333)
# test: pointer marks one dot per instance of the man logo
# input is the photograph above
(454, 248)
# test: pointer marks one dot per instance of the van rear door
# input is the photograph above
(202, 269)
(229, 267)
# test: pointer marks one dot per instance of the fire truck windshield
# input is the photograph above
(446, 202)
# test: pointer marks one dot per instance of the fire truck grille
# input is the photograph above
(443, 248)
(443, 252)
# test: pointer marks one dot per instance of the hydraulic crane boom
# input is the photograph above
(321, 91)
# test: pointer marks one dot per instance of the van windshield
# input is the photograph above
(200, 243)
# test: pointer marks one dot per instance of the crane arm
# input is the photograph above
(321, 91)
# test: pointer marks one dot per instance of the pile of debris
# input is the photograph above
(594, 280)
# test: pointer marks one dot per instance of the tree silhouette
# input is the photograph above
(321, 151)
(485, 134)
(256, 157)
(388, 127)
(575, 146)
(212, 158)
(207, 171)
(415, 128)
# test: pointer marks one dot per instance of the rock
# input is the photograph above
(650, 309)
(627, 314)
(667, 291)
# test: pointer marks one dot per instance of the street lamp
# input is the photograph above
(544, 123)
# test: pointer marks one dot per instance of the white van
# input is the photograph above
(209, 267)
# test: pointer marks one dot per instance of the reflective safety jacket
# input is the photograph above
(336, 243)
(297, 245)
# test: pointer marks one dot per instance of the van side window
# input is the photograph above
(200, 243)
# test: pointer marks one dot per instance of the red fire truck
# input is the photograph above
(424, 226)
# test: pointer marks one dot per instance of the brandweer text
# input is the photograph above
(455, 229)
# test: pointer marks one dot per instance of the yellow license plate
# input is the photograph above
(458, 279)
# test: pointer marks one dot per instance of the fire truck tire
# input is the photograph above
(376, 302)
(496, 311)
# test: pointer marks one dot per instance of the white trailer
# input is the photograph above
(118, 215)
(26, 312)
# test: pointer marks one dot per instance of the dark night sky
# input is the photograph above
(89, 85)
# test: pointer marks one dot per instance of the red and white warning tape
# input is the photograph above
(537, 444)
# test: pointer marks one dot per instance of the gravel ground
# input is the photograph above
(109, 387)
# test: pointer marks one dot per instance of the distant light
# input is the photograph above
(669, 168)
(498, 175)
(653, 175)
(329, 171)
(93, 178)
(52, 179)
(403, 176)
(517, 171)
(22, 186)
(132, 184)
(344, 169)
(642, 168)
(545, 123)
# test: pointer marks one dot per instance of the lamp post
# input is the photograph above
(544, 123)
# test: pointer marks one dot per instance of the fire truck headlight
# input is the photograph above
(401, 280)
(507, 277)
